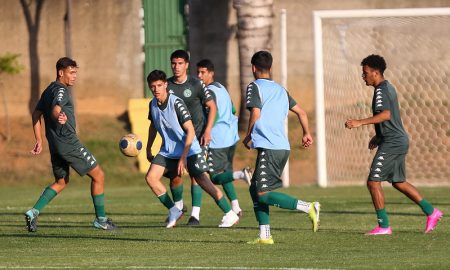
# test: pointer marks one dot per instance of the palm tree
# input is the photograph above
(254, 34)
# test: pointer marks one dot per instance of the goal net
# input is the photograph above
(416, 46)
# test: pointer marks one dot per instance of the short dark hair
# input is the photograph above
(63, 63)
(156, 75)
(206, 63)
(180, 54)
(262, 60)
(375, 61)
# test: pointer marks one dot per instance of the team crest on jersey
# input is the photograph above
(187, 93)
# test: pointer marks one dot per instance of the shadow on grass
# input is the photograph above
(115, 238)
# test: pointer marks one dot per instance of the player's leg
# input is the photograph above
(98, 198)
(220, 163)
(198, 168)
(163, 166)
(381, 170)
(433, 214)
(61, 172)
(267, 179)
(176, 188)
(262, 216)
(196, 195)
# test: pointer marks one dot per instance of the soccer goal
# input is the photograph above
(416, 46)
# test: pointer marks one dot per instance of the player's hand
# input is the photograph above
(352, 123)
(62, 118)
(182, 166)
(37, 149)
(373, 143)
(307, 140)
(246, 141)
(206, 138)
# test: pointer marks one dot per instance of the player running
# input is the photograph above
(392, 141)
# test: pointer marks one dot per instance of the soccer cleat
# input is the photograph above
(193, 221)
(229, 219)
(380, 231)
(184, 209)
(314, 212)
(433, 219)
(240, 213)
(174, 215)
(248, 174)
(259, 241)
(31, 218)
(104, 224)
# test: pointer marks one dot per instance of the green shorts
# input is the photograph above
(78, 157)
(268, 169)
(220, 159)
(388, 167)
(196, 165)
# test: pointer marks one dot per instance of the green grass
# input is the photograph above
(65, 238)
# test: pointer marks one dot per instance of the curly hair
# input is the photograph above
(374, 61)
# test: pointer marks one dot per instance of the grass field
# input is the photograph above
(65, 238)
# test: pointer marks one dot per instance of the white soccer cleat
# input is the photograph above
(174, 215)
(229, 219)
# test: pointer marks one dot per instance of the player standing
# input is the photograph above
(202, 108)
(180, 150)
(269, 103)
(392, 141)
(66, 150)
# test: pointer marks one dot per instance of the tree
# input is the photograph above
(254, 19)
(33, 31)
(8, 65)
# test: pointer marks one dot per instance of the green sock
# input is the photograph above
(261, 210)
(383, 220)
(166, 200)
(229, 191)
(177, 193)
(99, 205)
(427, 208)
(279, 200)
(45, 198)
(223, 204)
(196, 193)
(223, 178)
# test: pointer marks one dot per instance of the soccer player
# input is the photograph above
(269, 103)
(392, 141)
(179, 151)
(66, 150)
(224, 136)
(202, 108)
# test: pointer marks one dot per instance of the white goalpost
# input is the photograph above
(416, 46)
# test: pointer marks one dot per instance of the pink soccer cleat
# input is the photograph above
(378, 231)
(433, 219)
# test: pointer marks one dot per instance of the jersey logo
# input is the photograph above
(187, 93)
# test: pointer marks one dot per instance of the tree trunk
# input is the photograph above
(33, 31)
(254, 34)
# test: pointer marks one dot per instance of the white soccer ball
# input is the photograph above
(130, 145)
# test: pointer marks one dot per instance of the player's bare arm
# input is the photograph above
(255, 113)
(58, 115)
(188, 127)
(36, 118)
(376, 119)
(151, 138)
(206, 137)
(307, 139)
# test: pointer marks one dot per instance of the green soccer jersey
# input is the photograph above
(59, 137)
(194, 94)
(393, 137)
